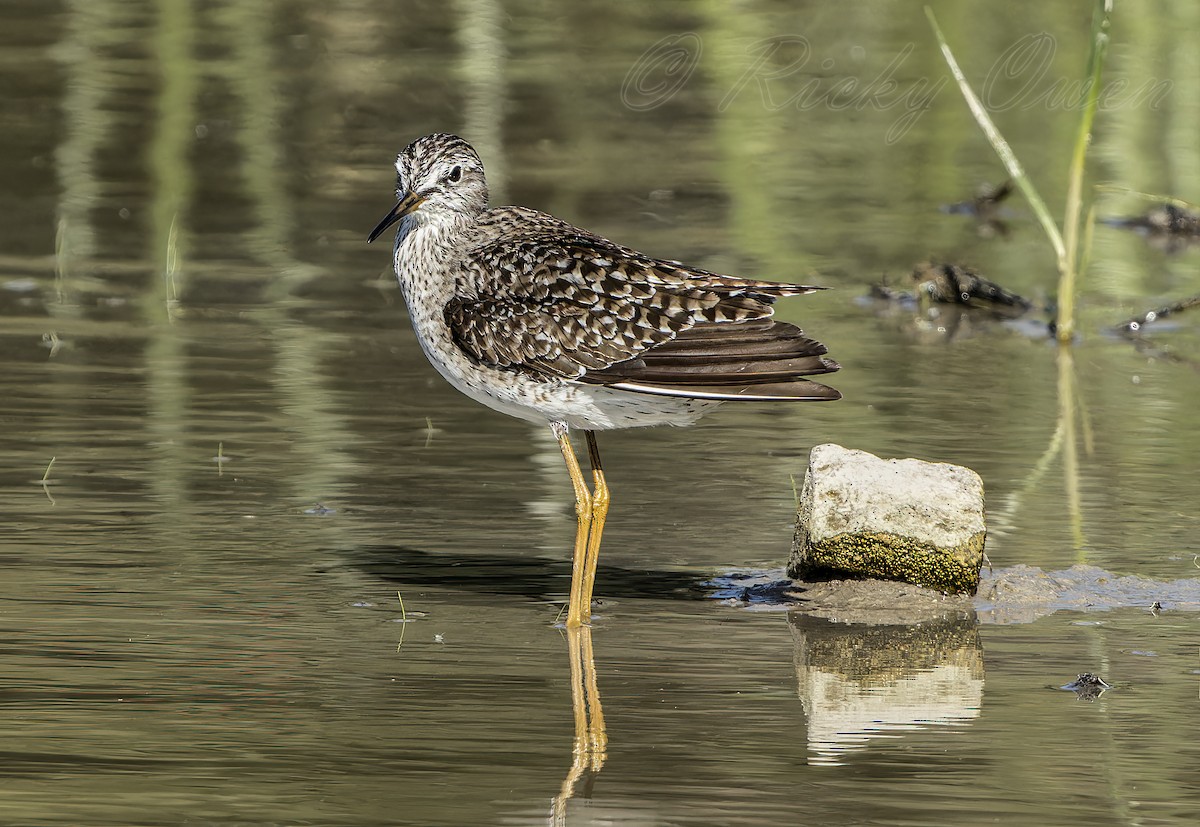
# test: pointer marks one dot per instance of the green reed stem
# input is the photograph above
(1071, 221)
(1001, 146)
(1066, 243)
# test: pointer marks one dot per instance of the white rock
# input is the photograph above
(900, 519)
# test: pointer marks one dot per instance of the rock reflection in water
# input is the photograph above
(858, 682)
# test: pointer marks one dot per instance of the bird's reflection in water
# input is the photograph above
(591, 741)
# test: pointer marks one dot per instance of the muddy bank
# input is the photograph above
(1019, 594)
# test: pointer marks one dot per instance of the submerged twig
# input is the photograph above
(1136, 324)
(45, 482)
(170, 268)
(1134, 330)
(403, 621)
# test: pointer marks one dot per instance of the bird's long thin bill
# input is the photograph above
(403, 207)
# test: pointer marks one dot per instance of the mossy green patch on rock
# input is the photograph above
(892, 557)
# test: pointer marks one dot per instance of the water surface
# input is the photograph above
(251, 458)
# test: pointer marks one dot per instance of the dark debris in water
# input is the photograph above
(984, 207)
(956, 284)
(886, 293)
(953, 300)
(1168, 226)
(1138, 329)
(1088, 686)
(770, 588)
(984, 202)
(1138, 324)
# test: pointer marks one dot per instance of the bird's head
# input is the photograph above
(438, 177)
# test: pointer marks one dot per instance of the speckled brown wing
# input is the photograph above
(576, 306)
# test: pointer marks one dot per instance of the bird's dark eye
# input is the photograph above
(455, 174)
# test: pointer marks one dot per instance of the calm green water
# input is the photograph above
(199, 619)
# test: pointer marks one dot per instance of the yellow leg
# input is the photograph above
(578, 612)
(600, 501)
